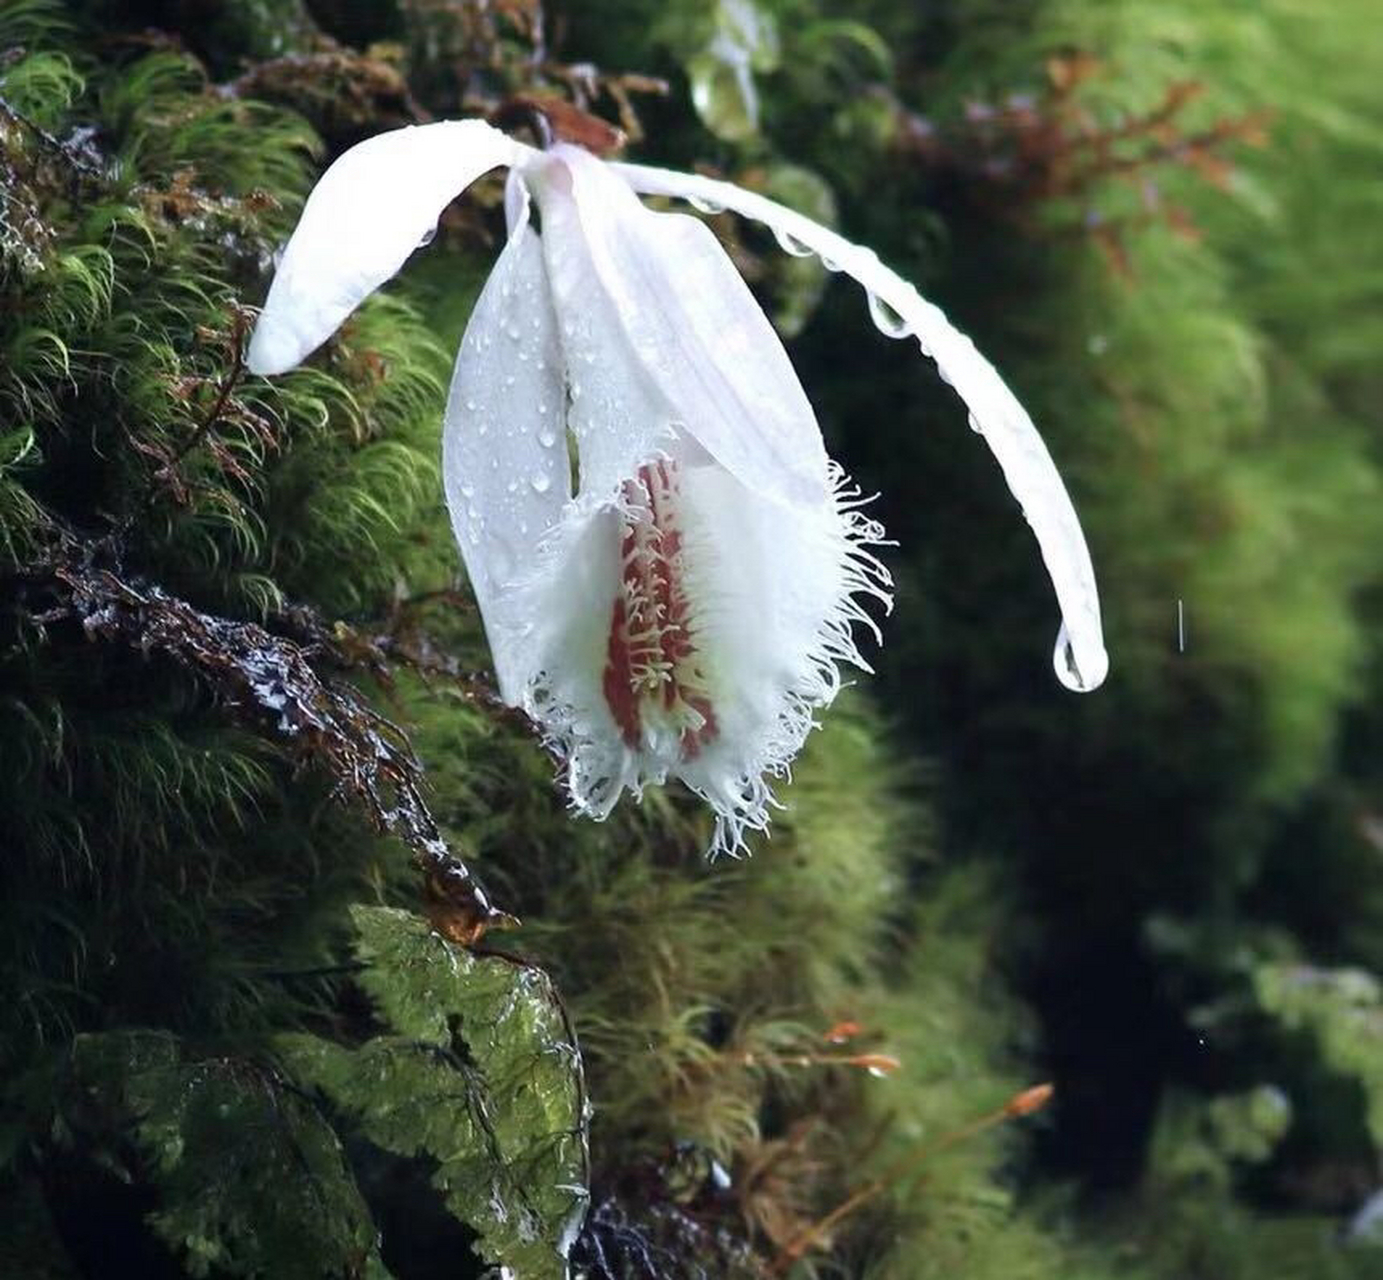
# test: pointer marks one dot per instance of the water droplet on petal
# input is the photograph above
(789, 243)
(702, 205)
(886, 319)
(1067, 669)
(541, 483)
(470, 406)
(547, 438)
(428, 237)
(976, 425)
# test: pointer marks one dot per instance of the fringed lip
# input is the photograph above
(765, 666)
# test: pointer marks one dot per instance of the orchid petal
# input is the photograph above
(1080, 659)
(696, 334)
(377, 203)
(504, 445)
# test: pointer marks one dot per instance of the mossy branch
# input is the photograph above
(270, 683)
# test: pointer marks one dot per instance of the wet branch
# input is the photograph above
(270, 683)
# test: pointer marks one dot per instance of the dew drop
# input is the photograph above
(470, 406)
(428, 237)
(789, 243)
(509, 380)
(702, 205)
(1069, 672)
(547, 438)
(514, 332)
(976, 425)
(541, 483)
(886, 319)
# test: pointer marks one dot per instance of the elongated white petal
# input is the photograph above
(694, 330)
(504, 446)
(369, 211)
(1080, 659)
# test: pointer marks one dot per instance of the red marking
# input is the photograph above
(617, 682)
(651, 652)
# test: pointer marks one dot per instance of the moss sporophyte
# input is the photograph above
(668, 565)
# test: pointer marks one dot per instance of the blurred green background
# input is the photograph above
(1160, 218)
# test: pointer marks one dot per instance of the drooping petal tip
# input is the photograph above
(274, 348)
(369, 211)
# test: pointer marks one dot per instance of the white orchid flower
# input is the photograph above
(668, 566)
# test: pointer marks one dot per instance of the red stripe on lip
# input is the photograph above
(651, 667)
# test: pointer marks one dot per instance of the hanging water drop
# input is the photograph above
(1068, 669)
(788, 243)
(886, 319)
(702, 205)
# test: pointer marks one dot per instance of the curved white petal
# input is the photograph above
(369, 211)
(1080, 659)
(695, 332)
(504, 446)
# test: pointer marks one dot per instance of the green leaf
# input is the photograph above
(251, 1180)
(1343, 1010)
(744, 41)
(479, 1070)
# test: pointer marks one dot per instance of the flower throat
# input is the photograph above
(652, 679)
